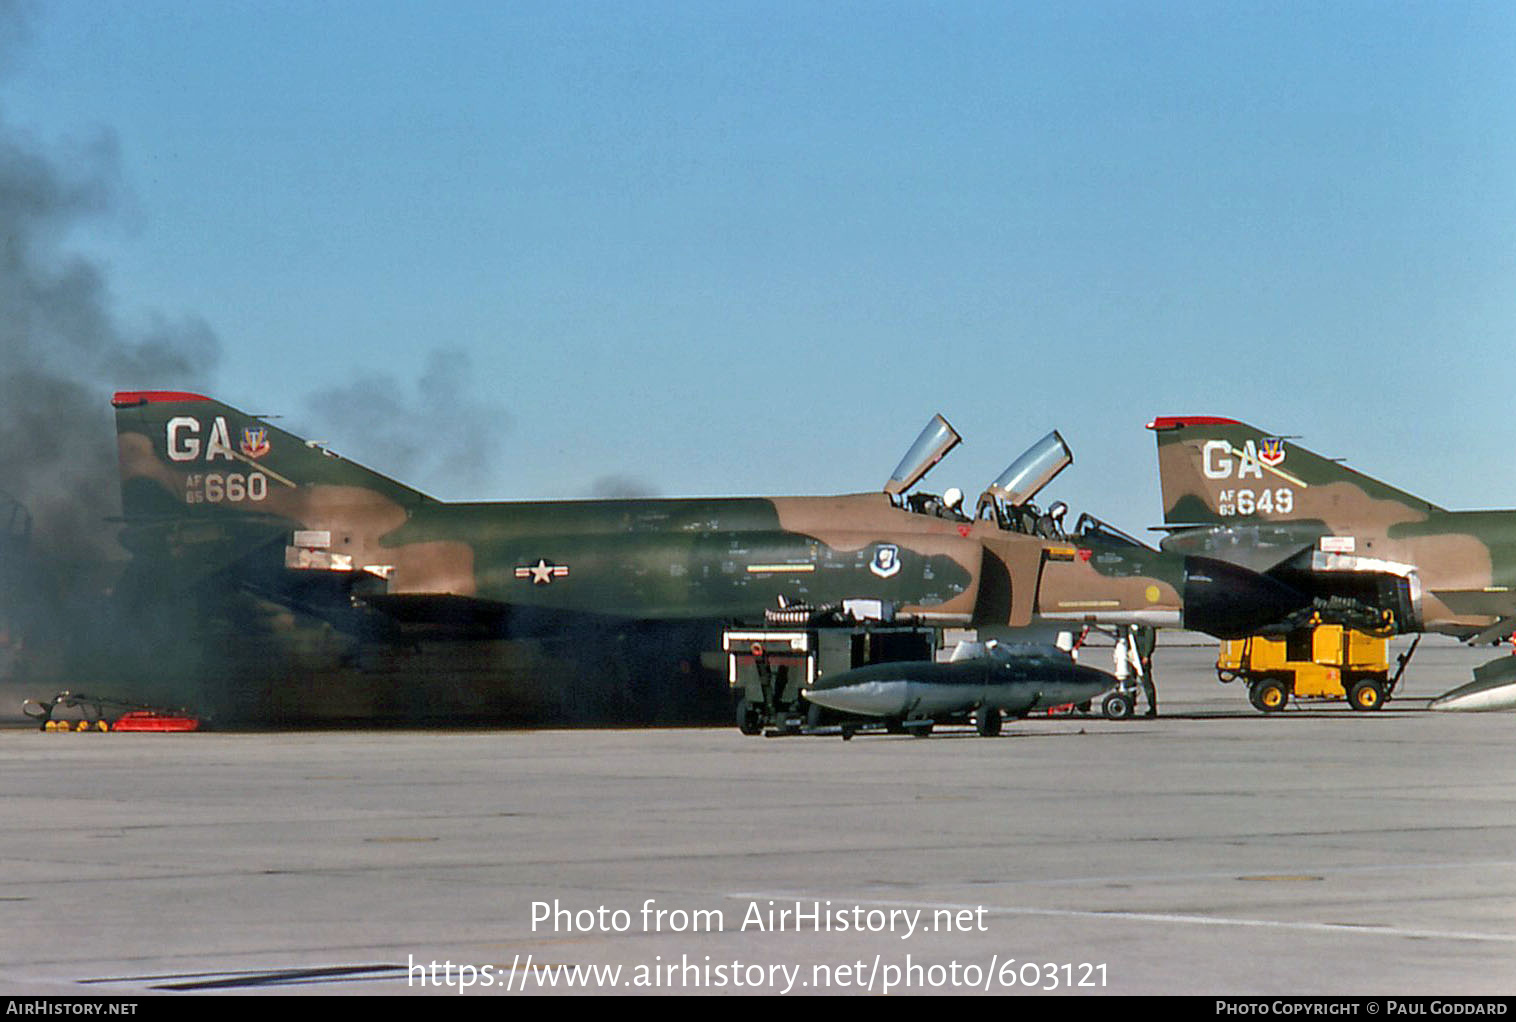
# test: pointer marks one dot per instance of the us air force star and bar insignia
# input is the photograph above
(886, 560)
(542, 572)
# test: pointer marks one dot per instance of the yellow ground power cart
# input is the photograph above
(1323, 662)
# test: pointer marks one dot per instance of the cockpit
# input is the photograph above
(1093, 530)
(1008, 501)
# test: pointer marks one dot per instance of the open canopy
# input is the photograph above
(1032, 471)
(930, 447)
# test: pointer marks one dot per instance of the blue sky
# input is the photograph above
(737, 248)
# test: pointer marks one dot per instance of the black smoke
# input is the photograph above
(63, 349)
(433, 431)
(76, 613)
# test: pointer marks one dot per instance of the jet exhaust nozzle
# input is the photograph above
(1232, 602)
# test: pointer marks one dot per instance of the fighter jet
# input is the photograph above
(1369, 555)
(210, 492)
(988, 682)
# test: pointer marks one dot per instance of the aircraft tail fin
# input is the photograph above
(184, 455)
(213, 495)
(1219, 471)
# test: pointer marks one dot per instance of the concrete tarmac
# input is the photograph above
(1210, 851)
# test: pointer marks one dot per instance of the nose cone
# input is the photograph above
(896, 689)
(1231, 602)
(866, 699)
(881, 690)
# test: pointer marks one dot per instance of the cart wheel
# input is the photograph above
(1117, 706)
(1366, 695)
(988, 720)
(1269, 695)
(748, 720)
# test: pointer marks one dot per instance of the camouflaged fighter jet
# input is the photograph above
(1369, 555)
(209, 490)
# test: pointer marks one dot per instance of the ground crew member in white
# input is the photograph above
(1134, 651)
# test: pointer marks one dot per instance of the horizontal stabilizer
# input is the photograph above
(1499, 602)
(1259, 547)
(443, 610)
(446, 615)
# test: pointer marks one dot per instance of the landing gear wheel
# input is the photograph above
(1117, 706)
(921, 730)
(1269, 695)
(987, 718)
(1366, 695)
(748, 720)
(894, 725)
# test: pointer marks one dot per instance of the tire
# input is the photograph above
(987, 719)
(748, 720)
(921, 730)
(1366, 695)
(1117, 706)
(1269, 695)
